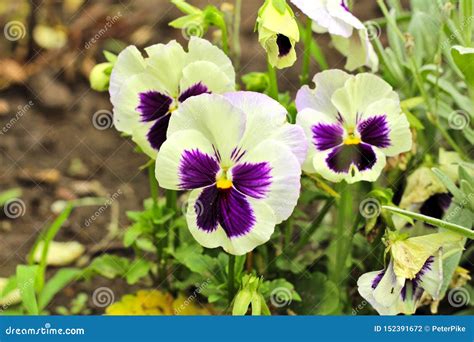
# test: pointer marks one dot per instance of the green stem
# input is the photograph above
(230, 279)
(236, 33)
(308, 37)
(288, 225)
(225, 40)
(468, 233)
(345, 204)
(273, 90)
(153, 183)
(390, 19)
(314, 225)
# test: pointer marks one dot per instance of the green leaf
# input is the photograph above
(184, 7)
(194, 260)
(26, 279)
(109, 266)
(279, 5)
(321, 296)
(110, 57)
(464, 59)
(138, 269)
(61, 279)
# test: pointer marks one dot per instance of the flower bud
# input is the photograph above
(100, 76)
(278, 33)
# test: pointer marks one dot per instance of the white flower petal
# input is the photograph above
(327, 82)
(208, 74)
(129, 63)
(215, 117)
(358, 93)
(202, 50)
(166, 63)
(364, 286)
(285, 176)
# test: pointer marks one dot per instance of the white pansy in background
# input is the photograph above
(416, 266)
(242, 162)
(278, 33)
(352, 123)
(146, 90)
(348, 33)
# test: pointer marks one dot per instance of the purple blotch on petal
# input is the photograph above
(284, 45)
(153, 105)
(375, 131)
(344, 5)
(377, 279)
(226, 207)
(194, 90)
(342, 157)
(197, 170)
(157, 134)
(252, 179)
(326, 136)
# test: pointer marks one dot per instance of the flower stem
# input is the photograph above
(273, 89)
(308, 37)
(153, 184)
(468, 233)
(230, 279)
(344, 212)
(236, 33)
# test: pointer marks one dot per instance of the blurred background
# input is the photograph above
(53, 147)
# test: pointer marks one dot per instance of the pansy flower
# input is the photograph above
(278, 33)
(348, 33)
(242, 162)
(352, 123)
(416, 266)
(146, 91)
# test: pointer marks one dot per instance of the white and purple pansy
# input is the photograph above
(242, 162)
(416, 266)
(390, 294)
(348, 33)
(352, 123)
(146, 90)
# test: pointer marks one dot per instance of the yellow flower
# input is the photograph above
(278, 33)
(155, 302)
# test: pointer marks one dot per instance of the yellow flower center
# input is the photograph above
(351, 139)
(222, 182)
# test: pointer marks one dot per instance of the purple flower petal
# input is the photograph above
(157, 134)
(342, 157)
(326, 136)
(153, 105)
(375, 131)
(228, 207)
(197, 170)
(377, 279)
(194, 90)
(252, 179)
(344, 5)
